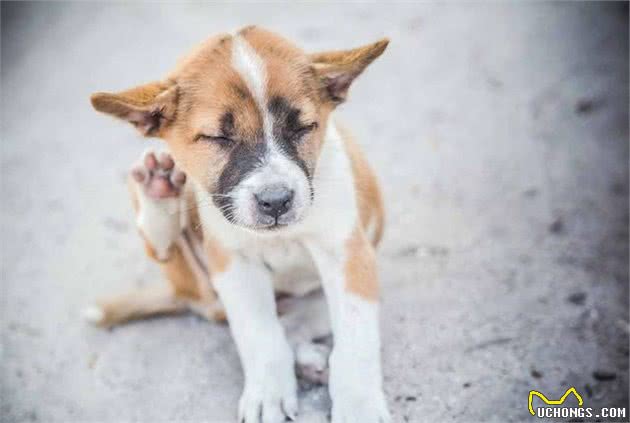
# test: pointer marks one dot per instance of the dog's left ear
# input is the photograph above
(337, 69)
(150, 107)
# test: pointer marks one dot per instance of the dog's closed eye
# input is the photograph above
(298, 133)
(221, 141)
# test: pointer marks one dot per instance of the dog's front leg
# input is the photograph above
(270, 392)
(349, 277)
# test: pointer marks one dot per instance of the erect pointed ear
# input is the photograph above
(150, 107)
(337, 69)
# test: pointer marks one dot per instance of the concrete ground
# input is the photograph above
(500, 134)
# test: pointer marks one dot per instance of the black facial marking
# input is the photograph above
(287, 128)
(244, 158)
(227, 124)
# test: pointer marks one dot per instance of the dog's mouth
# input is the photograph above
(272, 227)
(265, 225)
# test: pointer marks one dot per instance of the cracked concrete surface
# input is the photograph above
(500, 134)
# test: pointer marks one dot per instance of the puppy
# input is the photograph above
(259, 191)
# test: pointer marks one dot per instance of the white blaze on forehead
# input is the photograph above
(252, 69)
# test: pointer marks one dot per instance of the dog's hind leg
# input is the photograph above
(308, 328)
(136, 304)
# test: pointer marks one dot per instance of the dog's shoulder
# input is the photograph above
(368, 192)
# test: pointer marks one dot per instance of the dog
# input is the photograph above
(260, 188)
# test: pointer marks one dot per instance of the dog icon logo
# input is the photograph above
(546, 400)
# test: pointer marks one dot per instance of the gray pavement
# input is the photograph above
(500, 134)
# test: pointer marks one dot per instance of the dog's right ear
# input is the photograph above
(338, 69)
(150, 107)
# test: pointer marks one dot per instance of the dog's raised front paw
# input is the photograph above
(158, 176)
(161, 214)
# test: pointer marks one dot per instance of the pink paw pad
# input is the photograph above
(159, 176)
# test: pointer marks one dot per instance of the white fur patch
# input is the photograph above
(253, 71)
(93, 314)
(356, 361)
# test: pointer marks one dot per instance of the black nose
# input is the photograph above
(274, 201)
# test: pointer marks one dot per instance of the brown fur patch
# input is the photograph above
(194, 221)
(149, 107)
(139, 303)
(360, 267)
(336, 70)
(179, 274)
(369, 200)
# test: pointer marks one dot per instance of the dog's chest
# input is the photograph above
(290, 265)
(288, 262)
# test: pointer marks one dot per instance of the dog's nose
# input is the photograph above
(274, 201)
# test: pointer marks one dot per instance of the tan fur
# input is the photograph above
(355, 60)
(369, 200)
(337, 69)
(140, 303)
(360, 267)
(177, 270)
(140, 105)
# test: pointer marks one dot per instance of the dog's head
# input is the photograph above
(244, 116)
